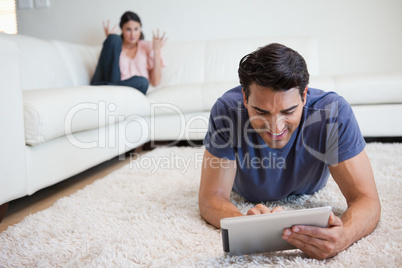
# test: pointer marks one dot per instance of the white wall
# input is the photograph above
(354, 36)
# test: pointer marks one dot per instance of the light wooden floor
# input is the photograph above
(20, 208)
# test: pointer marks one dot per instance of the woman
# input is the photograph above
(128, 60)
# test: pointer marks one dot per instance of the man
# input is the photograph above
(273, 137)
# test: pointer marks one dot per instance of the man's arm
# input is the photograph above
(217, 177)
(355, 178)
(356, 181)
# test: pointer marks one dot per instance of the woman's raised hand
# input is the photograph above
(107, 29)
(158, 40)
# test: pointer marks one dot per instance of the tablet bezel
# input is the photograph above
(263, 233)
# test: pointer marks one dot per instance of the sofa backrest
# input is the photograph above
(218, 60)
(53, 64)
(80, 61)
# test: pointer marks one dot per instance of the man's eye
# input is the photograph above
(288, 113)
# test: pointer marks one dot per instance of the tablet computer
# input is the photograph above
(263, 233)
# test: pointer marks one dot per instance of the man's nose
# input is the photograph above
(276, 124)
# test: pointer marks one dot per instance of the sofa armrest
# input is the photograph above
(13, 182)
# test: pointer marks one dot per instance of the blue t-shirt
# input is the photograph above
(328, 134)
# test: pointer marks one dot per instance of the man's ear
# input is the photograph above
(244, 98)
(305, 95)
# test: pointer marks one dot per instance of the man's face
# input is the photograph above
(275, 115)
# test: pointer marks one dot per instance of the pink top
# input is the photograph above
(140, 64)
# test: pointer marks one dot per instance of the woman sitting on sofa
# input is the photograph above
(128, 60)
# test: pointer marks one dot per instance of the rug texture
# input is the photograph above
(146, 215)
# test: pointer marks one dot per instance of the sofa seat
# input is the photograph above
(55, 112)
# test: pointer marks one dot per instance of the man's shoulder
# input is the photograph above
(231, 99)
(232, 95)
(318, 99)
(327, 116)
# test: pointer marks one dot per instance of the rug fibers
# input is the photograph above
(146, 215)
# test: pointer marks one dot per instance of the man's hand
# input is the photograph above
(356, 181)
(316, 242)
(261, 209)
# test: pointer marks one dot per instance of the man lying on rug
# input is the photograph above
(273, 137)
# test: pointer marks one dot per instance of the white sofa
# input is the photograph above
(54, 125)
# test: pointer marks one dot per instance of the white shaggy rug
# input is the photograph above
(146, 215)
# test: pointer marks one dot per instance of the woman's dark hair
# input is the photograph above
(126, 17)
(275, 66)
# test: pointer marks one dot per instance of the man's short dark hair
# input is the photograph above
(275, 66)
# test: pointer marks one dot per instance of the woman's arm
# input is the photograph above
(107, 29)
(155, 74)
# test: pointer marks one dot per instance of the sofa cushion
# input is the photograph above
(80, 60)
(218, 60)
(41, 64)
(326, 83)
(54, 112)
(223, 56)
(370, 89)
(179, 99)
(184, 63)
(363, 89)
